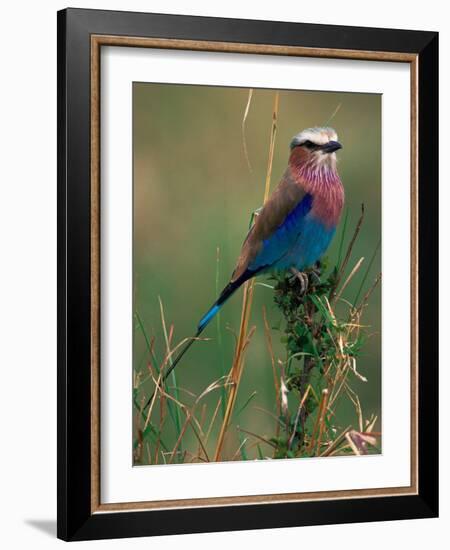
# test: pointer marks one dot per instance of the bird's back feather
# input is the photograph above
(226, 293)
(282, 202)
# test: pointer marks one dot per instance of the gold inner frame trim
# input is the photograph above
(97, 41)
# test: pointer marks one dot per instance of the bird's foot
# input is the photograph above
(303, 278)
(315, 276)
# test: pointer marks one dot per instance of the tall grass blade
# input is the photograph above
(341, 240)
(219, 337)
(243, 337)
(148, 345)
(174, 411)
(366, 274)
(244, 119)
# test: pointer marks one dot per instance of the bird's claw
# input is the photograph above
(315, 274)
(303, 279)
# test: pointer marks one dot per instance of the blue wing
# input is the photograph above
(299, 241)
(284, 239)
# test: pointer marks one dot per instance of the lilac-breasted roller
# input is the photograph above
(296, 224)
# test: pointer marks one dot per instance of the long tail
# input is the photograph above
(226, 293)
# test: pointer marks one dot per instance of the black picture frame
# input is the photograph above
(75, 518)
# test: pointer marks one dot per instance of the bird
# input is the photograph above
(296, 224)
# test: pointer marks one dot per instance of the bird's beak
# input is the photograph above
(331, 147)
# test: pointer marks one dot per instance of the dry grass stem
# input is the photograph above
(335, 444)
(297, 418)
(319, 419)
(256, 436)
(348, 254)
(349, 278)
(272, 357)
(244, 119)
(243, 338)
(352, 444)
(238, 450)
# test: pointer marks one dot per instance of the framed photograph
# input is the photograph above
(247, 255)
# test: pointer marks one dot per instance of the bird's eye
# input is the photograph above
(308, 144)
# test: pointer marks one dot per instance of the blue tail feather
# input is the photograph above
(207, 317)
(226, 293)
(212, 311)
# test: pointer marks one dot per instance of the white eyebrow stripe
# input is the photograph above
(318, 136)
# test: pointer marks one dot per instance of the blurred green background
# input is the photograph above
(193, 196)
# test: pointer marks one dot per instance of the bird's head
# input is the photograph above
(315, 148)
